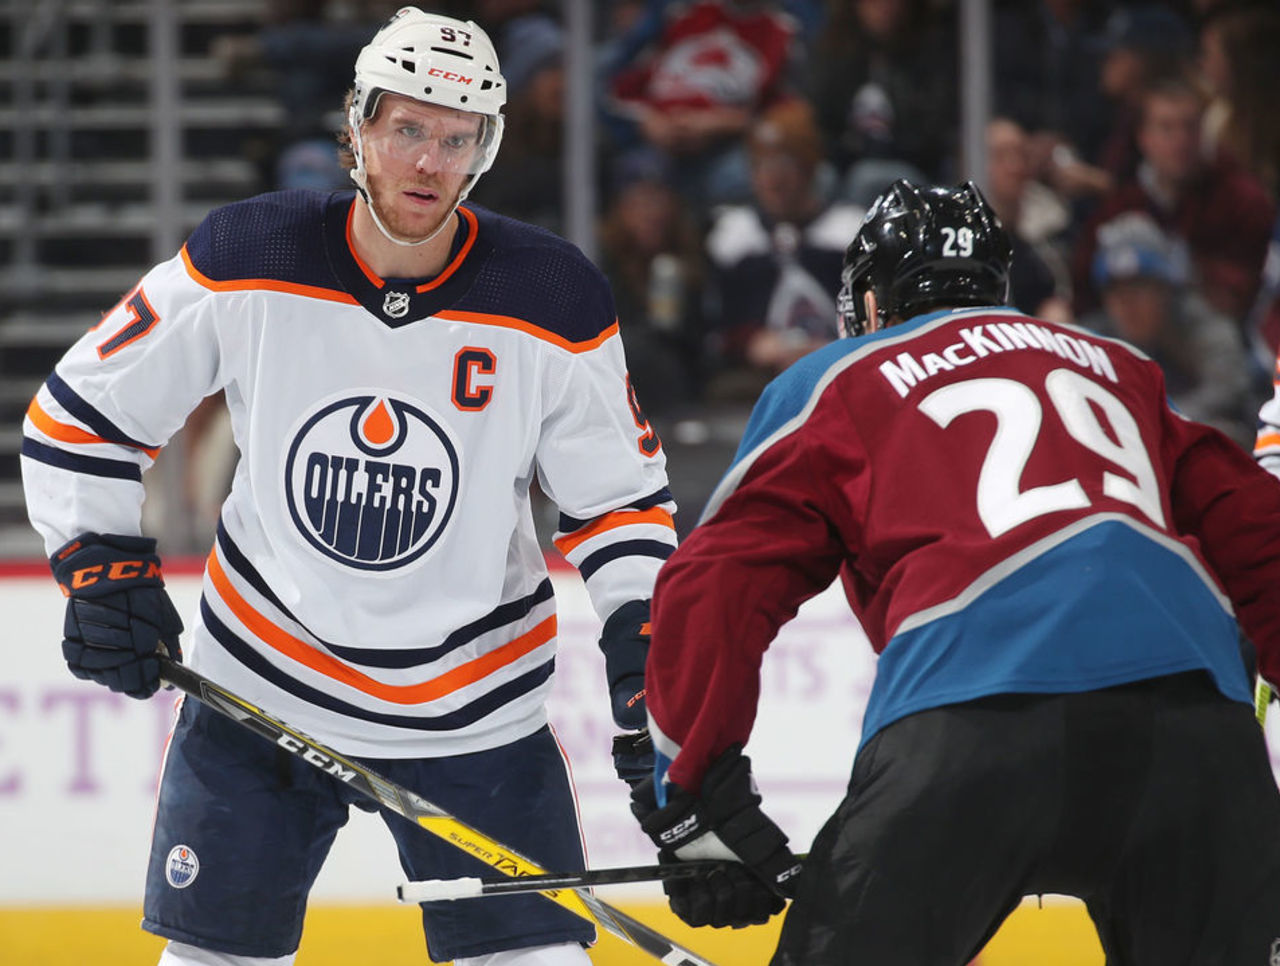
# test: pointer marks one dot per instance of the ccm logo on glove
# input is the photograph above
(116, 570)
(119, 618)
(681, 830)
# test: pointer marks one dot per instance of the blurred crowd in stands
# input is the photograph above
(1132, 153)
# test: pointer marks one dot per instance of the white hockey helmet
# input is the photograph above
(437, 60)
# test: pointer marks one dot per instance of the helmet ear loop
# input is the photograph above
(492, 139)
(354, 122)
(859, 311)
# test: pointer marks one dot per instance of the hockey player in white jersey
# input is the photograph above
(399, 368)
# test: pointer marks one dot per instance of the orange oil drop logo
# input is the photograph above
(378, 427)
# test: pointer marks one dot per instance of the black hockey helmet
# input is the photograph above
(921, 248)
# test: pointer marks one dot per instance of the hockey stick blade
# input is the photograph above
(427, 890)
(431, 817)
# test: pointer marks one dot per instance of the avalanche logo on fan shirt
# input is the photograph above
(181, 867)
(371, 481)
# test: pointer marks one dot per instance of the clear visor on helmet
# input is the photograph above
(442, 140)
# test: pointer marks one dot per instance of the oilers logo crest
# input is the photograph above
(181, 867)
(371, 481)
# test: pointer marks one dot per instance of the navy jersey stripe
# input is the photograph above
(452, 721)
(88, 465)
(508, 613)
(235, 560)
(76, 405)
(568, 524)
(624, 548)
(503, 614)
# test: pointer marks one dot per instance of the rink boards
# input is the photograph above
(78, 767)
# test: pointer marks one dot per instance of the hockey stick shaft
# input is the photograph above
(426, 890)
(467, 887)
(417, 809)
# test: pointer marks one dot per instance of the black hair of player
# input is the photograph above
(923, 248)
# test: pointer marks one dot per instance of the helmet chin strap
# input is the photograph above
(361, 179)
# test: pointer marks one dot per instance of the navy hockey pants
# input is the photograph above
(242, 828)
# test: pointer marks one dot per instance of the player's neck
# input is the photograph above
(388, 260)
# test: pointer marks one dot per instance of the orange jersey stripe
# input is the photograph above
(369, 273)
(302, 652)
(440, 279)
(459, 258)
(611, 521)
(1267, 439)
(546, 335)
(269, 284)
(74, 434)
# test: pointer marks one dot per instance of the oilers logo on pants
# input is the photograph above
(371, 480)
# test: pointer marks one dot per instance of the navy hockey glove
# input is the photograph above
(633, 756)
(118, 613)
(723, 821)
(625, 643)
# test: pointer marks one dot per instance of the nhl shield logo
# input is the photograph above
(371, 480)
(396, 304)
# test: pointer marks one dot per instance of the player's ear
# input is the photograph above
(873, 314)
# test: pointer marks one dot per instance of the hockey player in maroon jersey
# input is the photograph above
(1053, 567)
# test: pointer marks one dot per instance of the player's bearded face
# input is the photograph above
(418, 157)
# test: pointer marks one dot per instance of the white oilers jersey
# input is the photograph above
(376, 578)
(1267, 447)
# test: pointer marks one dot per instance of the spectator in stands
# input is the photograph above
(1247, 74)
(308, 47)
(1214, 206)
(689, 95)
(1047, 64)
(1239, 44)
(1142, 43)
(776, 261)
(496, 15)
(522, 32)
(526, 180)
(1141, 274)
(1039, 282)
(884, 86)
(650, 250)
(1216, 74)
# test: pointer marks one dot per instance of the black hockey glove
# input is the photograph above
(625, 643)
(723, 821)
(633, 756)
(118, 613)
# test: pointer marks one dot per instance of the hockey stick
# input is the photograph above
(427, 890)
(1261, 698)
(467, 887)
(417, 809)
